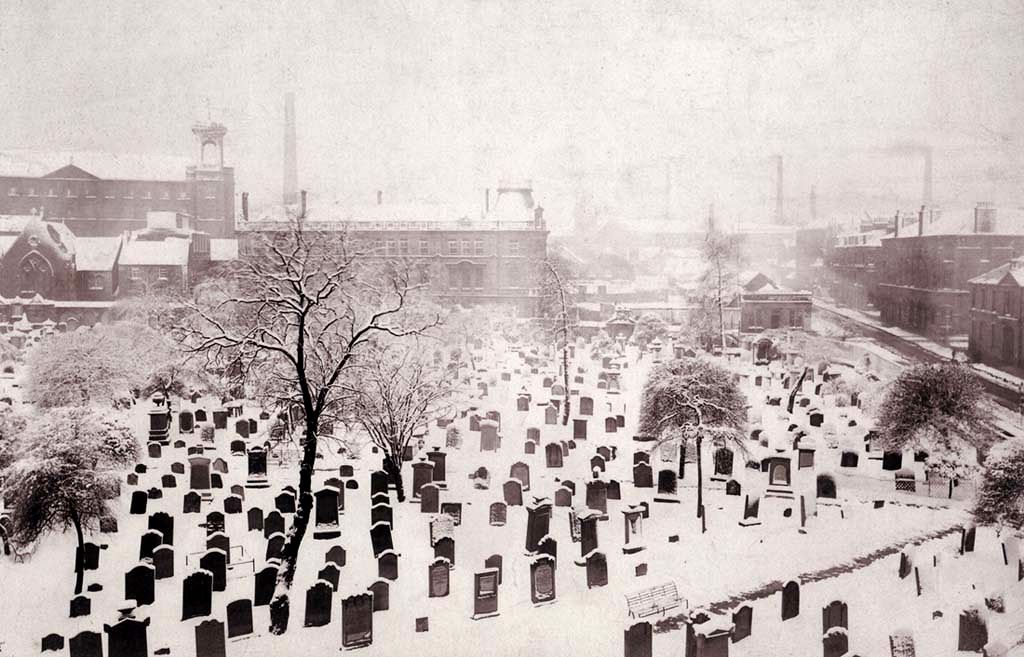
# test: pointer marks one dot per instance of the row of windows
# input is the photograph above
(777, 318)
(89, 192)
(162, 273)
(1001, 301)
(426, 248)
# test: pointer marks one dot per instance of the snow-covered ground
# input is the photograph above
(729, 561)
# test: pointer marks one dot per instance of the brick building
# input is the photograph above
(493, 260)
(853, 267)
(997, 315)
(924, 279)
(95, 206)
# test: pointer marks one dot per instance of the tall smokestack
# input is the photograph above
(778, 190)
(487, 201)
(302, 204)
(290, 193)
(926, 194)
(245, 206)
(711, 218)
(897, 221)
(813, 201)
(920, 222)
(380, 197)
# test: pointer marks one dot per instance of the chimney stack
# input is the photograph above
(487, 201)
(984, 217)
(897, 224)
(778, 190)
(813, 201)
(920, 222)
(291, 175)
(302, 204)
(380, 197)
(245, 206)
(926, 195)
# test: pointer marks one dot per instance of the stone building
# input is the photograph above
(853, 268)
(492, 260)
(765, 305)
(997, 315)
(117, 196)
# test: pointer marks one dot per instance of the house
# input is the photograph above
(765, 305)
(997, 315)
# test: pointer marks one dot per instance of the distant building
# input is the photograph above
(997, 315)
(765, 305)
(924, 279)
(853, 267)
(493, 260)
(117, 197)
(165, 257)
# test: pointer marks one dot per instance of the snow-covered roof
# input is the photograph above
(171, 251)
(107, 166)
(222, 250)
(1010, 272)
(96, 253)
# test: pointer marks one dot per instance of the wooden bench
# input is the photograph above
(654, 600)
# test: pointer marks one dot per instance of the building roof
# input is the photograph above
(106, 166)
(96, 253)
(1012, 272)
(168, 252)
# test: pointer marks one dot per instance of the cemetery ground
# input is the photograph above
(792, 510)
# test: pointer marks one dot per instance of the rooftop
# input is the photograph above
(96, 253)
(107, 166)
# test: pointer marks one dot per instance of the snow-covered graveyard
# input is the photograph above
(521, 535)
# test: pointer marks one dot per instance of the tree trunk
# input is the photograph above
(280, 605)
(79, 555)
(950, 488)
(565, 380)
(700, 479)
(393, 466)
(682, 457)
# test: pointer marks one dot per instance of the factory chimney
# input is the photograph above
(245, 206)
(897, 222)
(302, 204)
(290, 193)
(920, 222)
(813, 201)
(380, 197)
(926, 195)
(778, 190)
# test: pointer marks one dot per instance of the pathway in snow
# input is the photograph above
(673, 623)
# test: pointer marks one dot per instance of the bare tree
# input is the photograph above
(719, 281)
(395, 390)
(558, 310)
(291, 316)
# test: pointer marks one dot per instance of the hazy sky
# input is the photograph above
(436, 100)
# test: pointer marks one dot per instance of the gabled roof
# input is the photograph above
(171, 251)
(96, 253)
(71, 172)
(1011, 273)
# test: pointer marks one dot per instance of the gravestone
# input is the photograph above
(643, 476)
(445, 549)
(835, 643)
(327, 501)
(597, 569)
(80, 606)
(210, 639)
(264, 583)
(834, 615)
(138, 504)
(498, 514)
(454, 510)
(127, 638)
(196, 594)
(254, 517)
(741, 620)
(438, 574)
(215, 561)
(597, 497)
(191, 502)
(381, 591)
(357, 620)
(542, 580)
(430, 498)
(139, 584)
(422, 474)
(972, 632)
(380, 536)
(239, 615)
(520, 471)
(387, 565)
(273, 523)
(563, 497)
(638, 640)
(494, 562)
(336, 555)
(790, 600)
(285, 502)
(513, 492)
(275, 546)
(538, 520)
(553, 455)
(667, 483)
(382, 513)
(232, 504)
(330, 574)
(485, 594)
(318, 604)
(86, 644)
(163, 562)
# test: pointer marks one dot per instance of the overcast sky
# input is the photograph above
(436, 100)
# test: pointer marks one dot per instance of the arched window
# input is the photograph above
(36, 275)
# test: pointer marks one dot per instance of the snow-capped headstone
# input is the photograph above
(485, 594)
(357, 620)
(196, 594)
(210, 639)
(318, 604)
(542, 580)
(438, 574)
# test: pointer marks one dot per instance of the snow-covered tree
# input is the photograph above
(718, 282)
(290, 317)
(648, 328)
(394, 391)
(66, 471)
(692, 399)
(939, 408)
(12, 427)
(1000, 499)
(559, 312)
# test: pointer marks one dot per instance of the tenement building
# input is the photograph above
(495, 259)
(118, 196)
(924, 280)
(997, 315)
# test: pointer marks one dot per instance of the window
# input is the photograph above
(403, 247)
(129, 192)
(90, 192)
(466, 248)
(135, 274)
(424, 247)
(95, 281)
(162, 274)
(32, 191)
(391, 247)
(70, 193)
(148, 195)
(182, 196)
(453, 247)
(478, 277)
(165, 195)
(51, 193)
(513, 247)
(478, 247)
